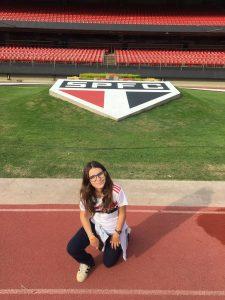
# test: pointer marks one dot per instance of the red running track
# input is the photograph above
(174, 253)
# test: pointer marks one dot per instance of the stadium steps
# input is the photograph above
(109, 59)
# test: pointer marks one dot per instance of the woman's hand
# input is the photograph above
(115, 240)
(94, 241)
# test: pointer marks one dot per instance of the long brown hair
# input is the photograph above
(87, 191)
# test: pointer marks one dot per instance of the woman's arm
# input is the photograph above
(115, 240)
(121, 218)
(84, 218)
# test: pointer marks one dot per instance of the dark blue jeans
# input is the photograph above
(79, 242)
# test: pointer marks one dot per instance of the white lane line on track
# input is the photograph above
(129, 210)
(111, 292)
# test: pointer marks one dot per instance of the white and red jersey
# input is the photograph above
(108, 220)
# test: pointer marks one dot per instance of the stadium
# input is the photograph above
(162, 39)
(169, 159)
(181, 41)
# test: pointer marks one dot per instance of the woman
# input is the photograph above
(102, 215)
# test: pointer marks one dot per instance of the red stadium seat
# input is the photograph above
(108, 15)
(40, 54)
(169, 57)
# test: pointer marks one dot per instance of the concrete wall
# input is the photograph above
(58, 69)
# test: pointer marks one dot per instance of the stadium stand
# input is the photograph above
(157, 38)
(112, 15)
(127, 57)
(173, 58)
(39, 54)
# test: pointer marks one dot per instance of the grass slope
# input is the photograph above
(41, 136)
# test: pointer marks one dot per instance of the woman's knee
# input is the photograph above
(77, 242)
(71, 249)
(109, 263)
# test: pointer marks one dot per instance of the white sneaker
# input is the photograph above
(82, 273)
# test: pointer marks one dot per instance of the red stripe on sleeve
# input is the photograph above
(116, 188)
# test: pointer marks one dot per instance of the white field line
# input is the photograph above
(22, 83)
(207, 89)
(129, 210)
(115, 292)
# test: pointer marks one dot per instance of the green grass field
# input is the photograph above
(41, 136)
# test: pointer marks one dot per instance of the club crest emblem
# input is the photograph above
(114, 99)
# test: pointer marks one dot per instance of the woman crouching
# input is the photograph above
(103, 219)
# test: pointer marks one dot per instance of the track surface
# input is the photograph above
(174, 253)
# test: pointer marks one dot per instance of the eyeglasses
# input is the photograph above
(100, 175)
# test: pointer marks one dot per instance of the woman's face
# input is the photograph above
(97, 178)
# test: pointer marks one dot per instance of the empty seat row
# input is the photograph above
(170, 57)
(104, 15)
(122, 57)
(42, 54)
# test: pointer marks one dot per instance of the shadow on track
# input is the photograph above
(151, 230)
